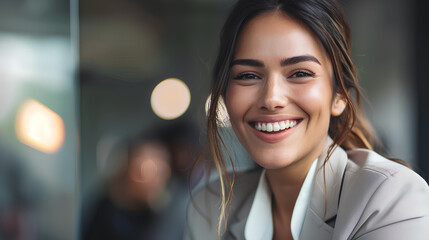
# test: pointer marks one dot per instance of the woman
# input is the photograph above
(285, 72)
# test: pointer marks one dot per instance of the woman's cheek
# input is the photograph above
(313, 99)
(237, 98)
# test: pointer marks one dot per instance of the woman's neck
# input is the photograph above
(285, 186)
(286, 182)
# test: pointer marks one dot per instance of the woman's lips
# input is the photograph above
(275, 131)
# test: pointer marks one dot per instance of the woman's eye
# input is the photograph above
(243, 76)
(301, 74)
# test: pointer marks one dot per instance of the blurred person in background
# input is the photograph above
(146, 197)
(183, 141)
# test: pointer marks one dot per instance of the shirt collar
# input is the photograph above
(259, 224)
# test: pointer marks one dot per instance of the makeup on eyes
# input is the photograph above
(299, 66)
(301, 74)
(244, 76)
(295, 74)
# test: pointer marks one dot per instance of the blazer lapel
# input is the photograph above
(244, 195)
(238, 224)
(329, 178)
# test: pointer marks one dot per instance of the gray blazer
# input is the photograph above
(368, 197)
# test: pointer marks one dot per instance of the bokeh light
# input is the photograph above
(222, 112)
(170, 99)
(39, 127)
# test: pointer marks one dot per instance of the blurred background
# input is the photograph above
(102, 107)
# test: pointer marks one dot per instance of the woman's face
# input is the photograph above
(280, 92)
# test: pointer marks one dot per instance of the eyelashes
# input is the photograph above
(296, 74)
(302, 73)
(244, 76)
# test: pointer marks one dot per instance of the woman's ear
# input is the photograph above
(338, 105)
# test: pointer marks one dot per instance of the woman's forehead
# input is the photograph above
(274, 34)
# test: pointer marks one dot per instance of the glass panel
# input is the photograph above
(38, 120)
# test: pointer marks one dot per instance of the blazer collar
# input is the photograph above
(329, 178)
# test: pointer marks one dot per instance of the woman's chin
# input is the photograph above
(273, 162)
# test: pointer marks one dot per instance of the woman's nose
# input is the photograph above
(273, 94)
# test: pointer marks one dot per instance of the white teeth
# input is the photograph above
(275, 126)
(269, 127)
(282, 125)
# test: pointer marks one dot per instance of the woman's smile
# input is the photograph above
(273, 132)
(275, 127)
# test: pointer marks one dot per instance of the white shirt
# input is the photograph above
(259, 224)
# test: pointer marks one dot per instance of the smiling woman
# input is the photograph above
(285, 73)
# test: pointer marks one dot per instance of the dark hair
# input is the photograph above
(326, 19)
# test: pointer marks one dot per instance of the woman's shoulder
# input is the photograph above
(362, 161)
(381, 197)
(375, 172)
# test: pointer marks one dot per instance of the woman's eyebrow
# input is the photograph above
(247, 62)
(297, 59)
(284, 62)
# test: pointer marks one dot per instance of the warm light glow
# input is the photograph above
(148, 170)
(170, 99)
(150, 164)
(222, 112)
(144, 170)
(39, 127)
